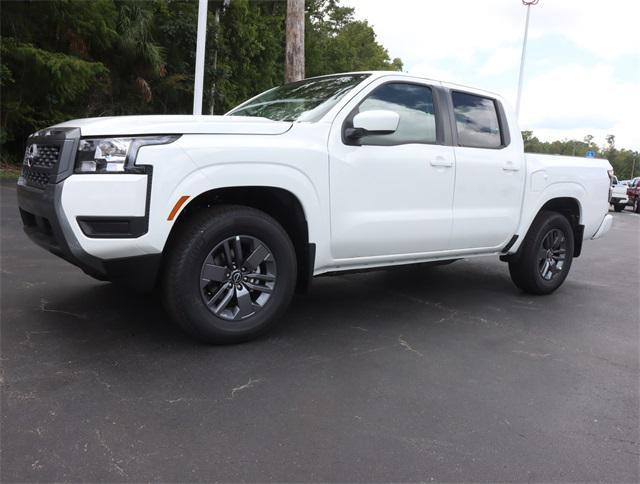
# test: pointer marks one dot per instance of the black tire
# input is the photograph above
(192, 245)
(636, 205)
(619, 207)
(526, 269)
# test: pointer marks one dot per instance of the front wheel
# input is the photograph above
(545, 256)
(636, 205)
(230, 274)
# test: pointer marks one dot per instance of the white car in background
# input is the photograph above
(619, 198)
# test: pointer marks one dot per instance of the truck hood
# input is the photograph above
(175, 124)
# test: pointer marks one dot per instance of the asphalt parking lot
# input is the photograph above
(412, 374)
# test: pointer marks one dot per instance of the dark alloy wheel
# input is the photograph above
(238, 277)
(230, 273)
(552, 254)
(544, 259)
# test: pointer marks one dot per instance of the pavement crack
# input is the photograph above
(44, 309)
(531, 354)
(624, 440)
(97, 377)
(357, 353)
(247, 385)
(113, 463)
(408, 347)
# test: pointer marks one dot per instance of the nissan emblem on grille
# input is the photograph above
(32, 153)
(40, 161)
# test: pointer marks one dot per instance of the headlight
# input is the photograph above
(113, 155)
(102, 155)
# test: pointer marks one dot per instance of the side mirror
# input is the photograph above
(377, 121)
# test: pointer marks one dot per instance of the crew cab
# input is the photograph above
(229, 215)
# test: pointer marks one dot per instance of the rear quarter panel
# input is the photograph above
(550, 176)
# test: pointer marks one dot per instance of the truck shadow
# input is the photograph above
(409, 296)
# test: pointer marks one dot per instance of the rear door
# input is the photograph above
(490, 173)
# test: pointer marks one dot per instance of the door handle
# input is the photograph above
(440, 161)
(510, 166)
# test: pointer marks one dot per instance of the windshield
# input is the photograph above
(306, 100)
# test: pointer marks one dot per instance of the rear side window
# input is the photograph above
(476, 121)
(414, 104)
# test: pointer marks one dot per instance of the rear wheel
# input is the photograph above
(636, 205)
(619, 207)
(230, 274)
(546, 254)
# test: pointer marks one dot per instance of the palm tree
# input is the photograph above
(143, 57)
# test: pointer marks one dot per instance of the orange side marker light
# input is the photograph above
(177, 207)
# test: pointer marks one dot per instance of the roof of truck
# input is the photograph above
(451, 85)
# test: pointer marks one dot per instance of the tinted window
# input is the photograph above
(476, 121)
(413, 103)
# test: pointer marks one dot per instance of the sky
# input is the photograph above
(582, 70)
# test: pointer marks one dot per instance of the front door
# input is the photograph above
(391, 194)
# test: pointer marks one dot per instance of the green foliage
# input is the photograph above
(68, 59)
(251, 52)
(621, 160)
(336, 42)
(40, 87)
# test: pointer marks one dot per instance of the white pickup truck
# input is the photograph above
(229, 215)
(618, 198)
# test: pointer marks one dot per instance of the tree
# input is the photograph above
(336, 42)
(622, 160)
(113, 57)
(611, 141)
(139, 60)
(51, 70)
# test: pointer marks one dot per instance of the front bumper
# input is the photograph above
(46, 224)
(615, 200)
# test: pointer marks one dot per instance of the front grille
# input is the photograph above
(46, 156)
(35, 178)
(40, 161)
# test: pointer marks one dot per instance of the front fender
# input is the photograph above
(239, 174)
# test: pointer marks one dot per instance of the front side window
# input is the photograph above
(414, 104)
(306, 100)
(476, 121)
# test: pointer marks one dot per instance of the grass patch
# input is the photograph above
(9, 171)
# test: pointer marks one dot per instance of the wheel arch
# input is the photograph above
(281, 204)
(569, 206)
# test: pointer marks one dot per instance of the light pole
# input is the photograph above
(528, 3)
(200, 45)
(225, 4)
